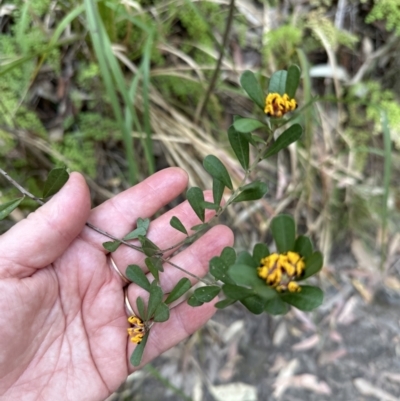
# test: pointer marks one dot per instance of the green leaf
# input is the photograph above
(292, 134)
(55, 181)
(217, 170)
(240, 145)
(193, 301)
(254, 304)
(236, 292)
(283, 230)
(260, 251)
(264, 291)
(313, 264)
(199, 227)
(307, 299)
(292, 80)
(137, 354)
(8, 207)
(244, 258)
(255, 139)
(303, 246)
(143, 223)
(277, 83)
(219, 269)
(136, 275)
(180, 288)
(155, 299)
(135, 233)
(224, 303)
(162, 313)
(218, 191)
(195, 198)
(209, 205)
(207, 293)
(149, 248)
(141, 308)
(228, 255)
(246, 125)
(111, 246)
(250, 84)
(276, 306)
(177, 224)
(244, 275)
(253, 191)
(155, 266)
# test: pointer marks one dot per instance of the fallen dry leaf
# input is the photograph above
(282, 382)
(347, 315)
(366, 388)
(306, 344)
(364, 292)
(392, 376)
(234, 392)
(310, 382)
(329, 357)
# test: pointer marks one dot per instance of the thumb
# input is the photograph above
(44, 235)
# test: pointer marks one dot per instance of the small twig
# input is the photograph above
(20, 189)
(186, 272)
(40, 202)
(202, 104)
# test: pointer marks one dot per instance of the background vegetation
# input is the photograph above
(118, 89)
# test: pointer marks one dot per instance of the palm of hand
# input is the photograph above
(63, 317)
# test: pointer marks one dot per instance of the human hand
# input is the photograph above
(62, 312)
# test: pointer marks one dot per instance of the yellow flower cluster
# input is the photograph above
(277, 105)
(137, 331)
(279, 270)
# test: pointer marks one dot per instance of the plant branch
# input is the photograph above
(202, 104)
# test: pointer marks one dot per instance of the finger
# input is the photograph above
(118, 215)
(194, 259)
(183, 322)
(162, 234)
(38, 240)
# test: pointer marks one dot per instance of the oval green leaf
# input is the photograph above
(141, 308)
(155, 299)
(313, 264)
(292, 80)
(254, 304)
(260, 251)
(292, 134)
(240, 145)
(246, 125)
(137, 354)
(135, 233)
(136, 275)
(265, 291)
(195, 198)
(55, 181)
(149, 248)
(209, 205)
(219, 269)
(155, 266)
(8, 207)
(303, 246)
(177, 224)
(284, 231)
(236, 292)
(224, 303)
(218, 191)
(180, 288)
(253, 191)
(162, 313)
(217, 170)
(111, 246)
(250, 84)
(244, 275)
(307, 299)
(276, 306)
(193, 301)
(207, 293)
(244, 258)
(277, 83)
(228, 255)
